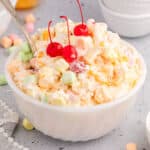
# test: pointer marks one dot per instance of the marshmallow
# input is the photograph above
(61, 65)
(30, 18)
(6, 42)
(44, 98)
(69, 78)
(30, 79)
(27, 125)
(13, 36)
(45, 35)
(17, 41)
(3, 80)
(29, 27)
(131, 146)
(60, 101)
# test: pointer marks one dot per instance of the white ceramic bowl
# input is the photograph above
(5, 17)
(148, 126)
(75, 123)
(126, 25)
(129, 6)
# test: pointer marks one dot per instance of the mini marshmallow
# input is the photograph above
(30, 18)
(27, 125)
(6, 42)
(29, 27)
(13, 36)
(3, 80)
(69, 78)
(30, 79)
(44, 98)
(131, 146)
(61, 65)
(17, 41)
(60, 101)
(45, 35)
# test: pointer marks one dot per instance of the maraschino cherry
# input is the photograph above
(81, 29)
(54, 48)
(69, 52)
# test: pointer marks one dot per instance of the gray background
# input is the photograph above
(132, 129)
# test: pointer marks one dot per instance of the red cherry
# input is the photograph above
(69, 52)
(54, 48)
(81, 29)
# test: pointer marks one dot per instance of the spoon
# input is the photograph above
(7, 4)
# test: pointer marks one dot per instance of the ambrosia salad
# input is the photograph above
(93, 69)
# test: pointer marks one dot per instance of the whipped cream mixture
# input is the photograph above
(106, 67)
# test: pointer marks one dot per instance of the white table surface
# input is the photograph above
(132, 129)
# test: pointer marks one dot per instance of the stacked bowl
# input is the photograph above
(130, 18)
(5, 17)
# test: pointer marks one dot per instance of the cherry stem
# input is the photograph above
(49, 32)
(81, 12)
(66, 18)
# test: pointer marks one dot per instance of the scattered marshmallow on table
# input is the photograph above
(17, 41)
(27, 124)
(6, 42)
(3, 80)
(13, 36)
(30, 18)
(131, 146)
(29, 27)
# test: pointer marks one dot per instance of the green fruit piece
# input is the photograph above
(24, 47)
(25, 57)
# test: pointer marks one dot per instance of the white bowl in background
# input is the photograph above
(148, 126)
(129, 6)
(124, 24)
(75, 123)
(5, 17)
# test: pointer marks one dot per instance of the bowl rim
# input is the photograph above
(74, 108)
(123, 15)
(148, 123)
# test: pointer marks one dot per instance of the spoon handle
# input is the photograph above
(7, 4)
